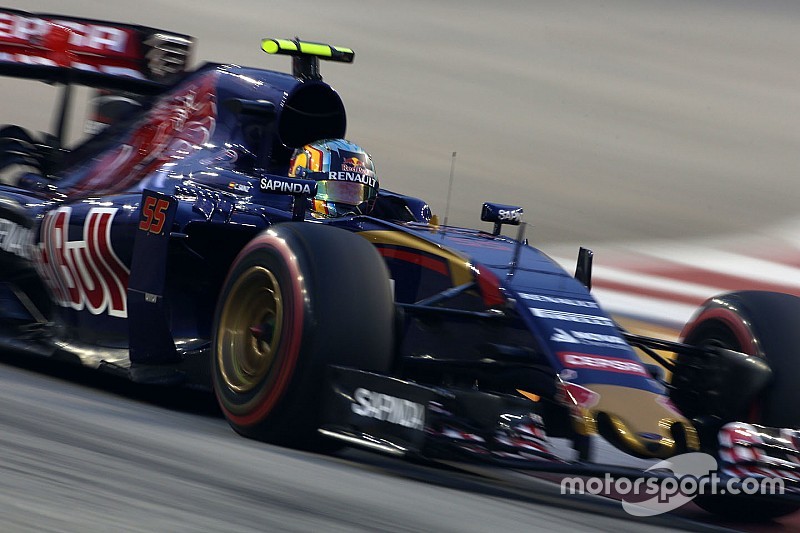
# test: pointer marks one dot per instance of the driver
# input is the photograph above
(345, 176)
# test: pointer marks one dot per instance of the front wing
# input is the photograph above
(404, 418)
(463, 427)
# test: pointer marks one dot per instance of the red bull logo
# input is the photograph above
(354, 164)
(83, 274)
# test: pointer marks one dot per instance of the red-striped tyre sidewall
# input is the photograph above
(259, 407)
(767, 325)
(747, 343)
(338, 309)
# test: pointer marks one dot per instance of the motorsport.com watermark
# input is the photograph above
(690, 475)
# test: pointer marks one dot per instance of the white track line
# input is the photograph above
(632, 264)
(722, 262)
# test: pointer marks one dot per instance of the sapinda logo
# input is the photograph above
(601, 362)
(390, 409)
(510, 215)
(284, 186)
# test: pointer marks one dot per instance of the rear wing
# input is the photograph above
(108, 55)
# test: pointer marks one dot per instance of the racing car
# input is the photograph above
(176, 245)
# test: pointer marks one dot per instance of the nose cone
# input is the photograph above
(638, 422)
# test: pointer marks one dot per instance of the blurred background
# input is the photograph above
(610, 122)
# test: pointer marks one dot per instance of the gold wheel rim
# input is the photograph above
(249, 329)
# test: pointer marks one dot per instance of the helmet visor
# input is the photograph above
(345, 192)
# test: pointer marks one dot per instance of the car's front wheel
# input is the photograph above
(298, 297)
(761, 324)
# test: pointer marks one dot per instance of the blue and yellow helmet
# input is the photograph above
(345, 176)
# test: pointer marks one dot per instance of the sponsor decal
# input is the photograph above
(568, 374)
(16, 239)
(553, 314)
(284, 186)
(353, 168)
(240, 187)
(602, 362)
(559, 335)
(573, 395)
(584, 337)
(95, 37)
(556, 300)
(510, 215)
(354, 164)
(176, 127)
(360, 177)
(503, 214)
(87, 38)
(69, 43)
(83, 274)
(389, 409)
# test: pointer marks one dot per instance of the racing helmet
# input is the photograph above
(345, 176)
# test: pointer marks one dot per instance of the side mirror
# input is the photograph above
(501, 214)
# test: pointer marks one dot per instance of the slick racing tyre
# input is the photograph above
(298, 297)
(18, 154)
(766, 325)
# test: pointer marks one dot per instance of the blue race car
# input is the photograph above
(216, 230)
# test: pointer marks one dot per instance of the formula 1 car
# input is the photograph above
(170, 247)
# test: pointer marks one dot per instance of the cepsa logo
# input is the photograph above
(88, 38)
(600, 362)
(83, 274)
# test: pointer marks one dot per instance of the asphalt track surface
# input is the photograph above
(613, 121)
(80, 453)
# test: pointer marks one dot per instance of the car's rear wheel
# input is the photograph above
(765, 325)
(297, 298)
(18, 154)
